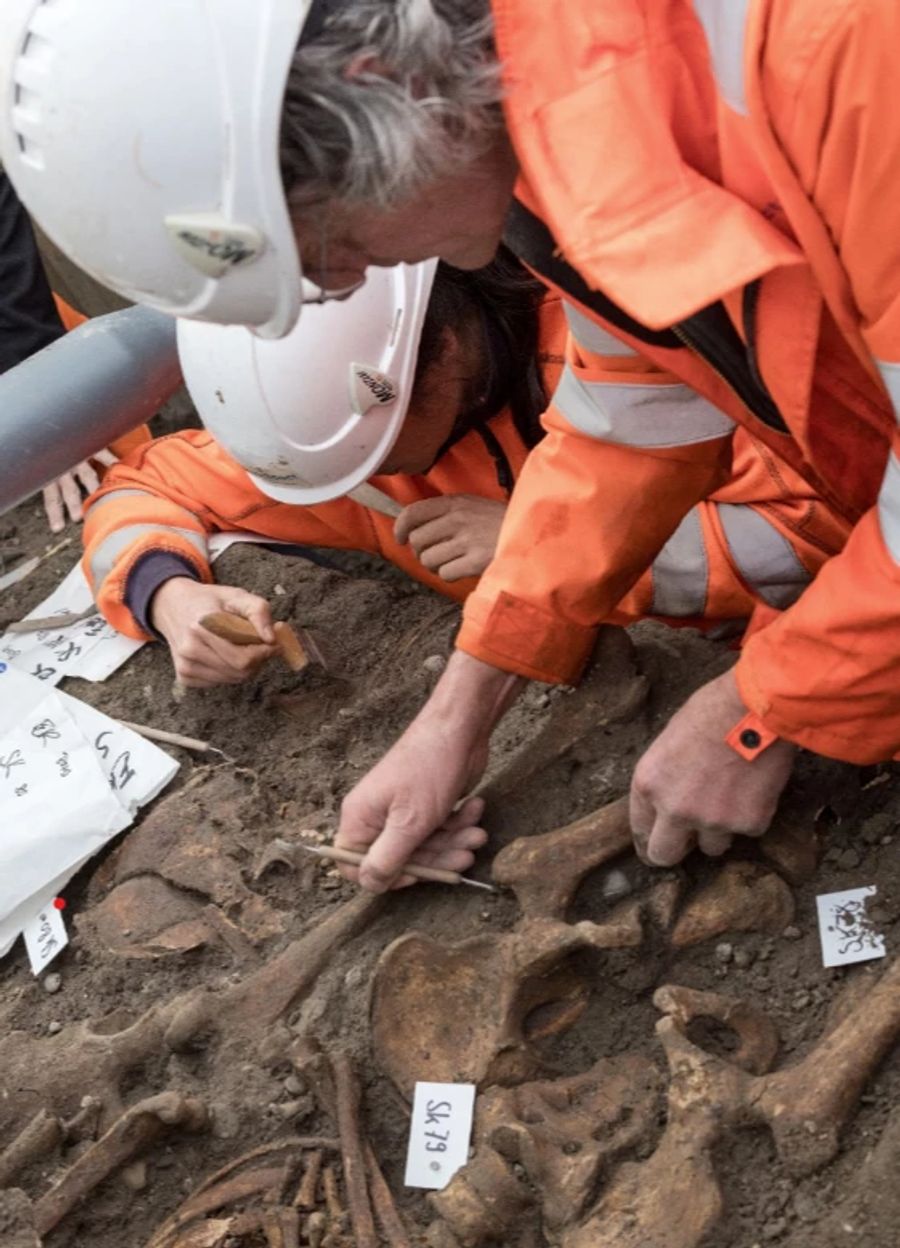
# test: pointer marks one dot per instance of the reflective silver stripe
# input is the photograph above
(681, 571)
(764, 557)
(889, 507)
(593, 337)
(639, 415)
(106, 554)
(724, 22)
(890, 374)
(114, 495)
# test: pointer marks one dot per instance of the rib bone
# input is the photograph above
(135, 1130)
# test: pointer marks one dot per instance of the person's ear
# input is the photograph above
(365, 64)
(450, 348)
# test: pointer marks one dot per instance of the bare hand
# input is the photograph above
(454, 535)
(202, 660)
(404, 807)
(691, 788)
(65, 492)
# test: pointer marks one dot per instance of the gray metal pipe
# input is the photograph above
(68, 401)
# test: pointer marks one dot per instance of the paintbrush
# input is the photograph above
(435, 874)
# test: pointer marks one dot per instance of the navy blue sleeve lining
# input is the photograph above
(145, 578)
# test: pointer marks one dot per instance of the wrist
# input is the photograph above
(163, 599)
(472, 696)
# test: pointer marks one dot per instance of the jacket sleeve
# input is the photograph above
(628, 452)
(169, 496)
(825, 674)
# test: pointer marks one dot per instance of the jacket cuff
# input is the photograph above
(863, 749)
(147, 575)
(519, 637)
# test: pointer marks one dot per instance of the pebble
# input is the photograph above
(802, 1001)
(542, 701)
(294, 1086)
(355, 977)
(135, 1176)
(876, 827)
(724, 953)
(807, 1207)
(54, 1028)
(435, 663)
(616, 884)
(849, 858)
(743, 958)
(301, 1108)
(52, 982)
(279, 591)
(226, 1122)
(792, 933)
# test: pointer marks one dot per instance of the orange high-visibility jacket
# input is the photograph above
(760, 539)
(713, 184)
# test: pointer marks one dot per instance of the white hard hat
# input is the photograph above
(315, 414)
(143, 137)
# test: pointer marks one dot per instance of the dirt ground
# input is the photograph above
(295, 746)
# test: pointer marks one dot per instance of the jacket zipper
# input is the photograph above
(710, 335)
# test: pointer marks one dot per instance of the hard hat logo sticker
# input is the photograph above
(369, 388)
(213, 245)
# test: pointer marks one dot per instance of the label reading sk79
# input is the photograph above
(440, 1132)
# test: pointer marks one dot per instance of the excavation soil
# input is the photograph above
(295, 745)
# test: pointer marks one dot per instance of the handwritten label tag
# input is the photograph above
(70, 778)
(440, 1132)
(845, 929)
(45, 937)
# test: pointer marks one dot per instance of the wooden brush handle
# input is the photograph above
(436, 874)
(291, 647)
(240, 632)
(376, 500)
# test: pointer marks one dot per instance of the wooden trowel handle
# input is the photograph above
(240, 632)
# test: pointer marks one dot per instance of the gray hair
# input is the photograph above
(426, 99)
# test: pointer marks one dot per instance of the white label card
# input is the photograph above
(845, 929)
(45, 937)
(440, 1132)
(70, 779)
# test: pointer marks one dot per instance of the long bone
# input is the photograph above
(83, 1057)
(544, 871)
(135, 1131)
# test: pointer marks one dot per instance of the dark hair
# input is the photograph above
(501, 302)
